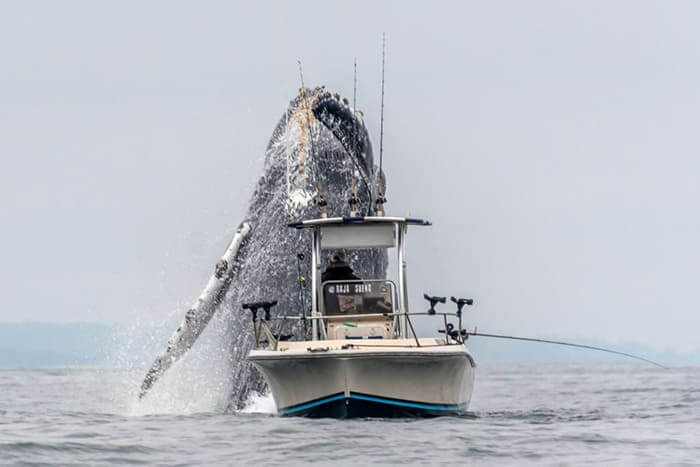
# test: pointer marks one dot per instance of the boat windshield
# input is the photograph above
(358, 297)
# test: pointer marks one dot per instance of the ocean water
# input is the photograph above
(617, 414)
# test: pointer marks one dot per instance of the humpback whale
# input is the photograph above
(319, 157)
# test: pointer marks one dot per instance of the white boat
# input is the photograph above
(363, 357)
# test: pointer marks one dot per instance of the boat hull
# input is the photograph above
(431, 380)
(356, 405)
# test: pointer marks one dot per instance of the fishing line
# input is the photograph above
(581, 346)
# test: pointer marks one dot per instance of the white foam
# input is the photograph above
(199, 382)
(260, 403)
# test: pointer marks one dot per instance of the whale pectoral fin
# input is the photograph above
(197, 317)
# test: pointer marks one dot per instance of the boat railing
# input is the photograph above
(267, 337)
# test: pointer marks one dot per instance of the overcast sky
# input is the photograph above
(553, 144)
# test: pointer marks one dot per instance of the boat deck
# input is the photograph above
(360, 347)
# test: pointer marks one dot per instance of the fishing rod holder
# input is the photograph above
(379, 204)
(323, 206)
(255, 306)
(459, 335)
(433, 301)
(461, 302)
(353, 202)
(263, 327)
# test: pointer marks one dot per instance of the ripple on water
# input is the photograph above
(602, 422)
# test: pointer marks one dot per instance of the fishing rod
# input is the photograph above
(320, 201)
(354, 107)
(353, 199)
(354, 141)
(381, 199)
(302, 286)
(381, 124)
(580, 346)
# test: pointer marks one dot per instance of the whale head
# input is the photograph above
(319, 157)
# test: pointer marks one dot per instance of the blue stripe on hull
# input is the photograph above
(312, 404)
(414, 405)
(365, 405)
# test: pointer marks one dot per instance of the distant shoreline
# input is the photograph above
(36, 345)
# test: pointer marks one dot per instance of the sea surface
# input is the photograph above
(617, 414)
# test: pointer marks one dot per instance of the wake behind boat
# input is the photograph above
(361, 356)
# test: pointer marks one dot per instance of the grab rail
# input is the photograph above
(263, 328)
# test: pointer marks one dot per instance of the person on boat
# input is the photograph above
(338, 269)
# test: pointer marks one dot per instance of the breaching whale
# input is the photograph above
(318, 158)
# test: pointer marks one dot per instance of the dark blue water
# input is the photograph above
(541, 415)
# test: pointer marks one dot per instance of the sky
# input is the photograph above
(554, 145)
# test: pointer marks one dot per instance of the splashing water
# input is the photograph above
(323, 152)
(260, 403)
(201, 381)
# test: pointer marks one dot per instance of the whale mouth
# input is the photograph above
(324, 142)
(347, 125)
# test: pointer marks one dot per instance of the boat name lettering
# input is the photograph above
(345, 288)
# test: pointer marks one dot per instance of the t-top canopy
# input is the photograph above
(357, 232)
(357, 220)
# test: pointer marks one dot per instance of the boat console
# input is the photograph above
(377, 305)
(357, 309)
(373, 300)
